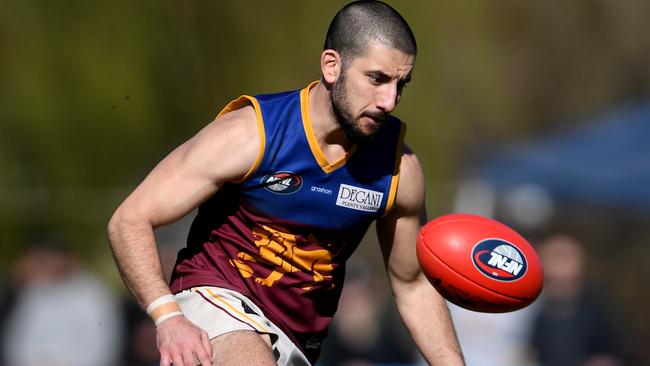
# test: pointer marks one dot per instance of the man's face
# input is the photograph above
(368, 90)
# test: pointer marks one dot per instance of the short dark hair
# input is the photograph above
(360, 22)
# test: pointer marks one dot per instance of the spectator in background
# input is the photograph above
(5, 304)
(62, 315)
(140, 348)
(489, 339)
(366, 330)
(573, 328)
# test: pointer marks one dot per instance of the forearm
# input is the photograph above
(427, 318)
(136, 255)
(135, 251)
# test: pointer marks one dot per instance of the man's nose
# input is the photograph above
(387, 97)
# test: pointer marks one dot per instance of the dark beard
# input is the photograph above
(345, 119)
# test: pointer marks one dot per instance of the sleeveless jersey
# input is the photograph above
(282, 235)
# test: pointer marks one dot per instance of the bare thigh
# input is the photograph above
(242, 347)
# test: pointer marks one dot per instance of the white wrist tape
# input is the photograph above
(163, 308)
(164, 317)
(159, 301)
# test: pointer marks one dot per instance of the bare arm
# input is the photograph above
(422, 309)
(223, 151)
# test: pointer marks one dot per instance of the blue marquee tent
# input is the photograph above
(605, 162)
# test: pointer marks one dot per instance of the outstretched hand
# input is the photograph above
(182, 343)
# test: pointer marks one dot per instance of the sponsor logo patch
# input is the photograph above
(499, 260)
(359, 198)
(321, 190)
(282, 182)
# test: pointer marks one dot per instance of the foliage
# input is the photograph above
(95, 93)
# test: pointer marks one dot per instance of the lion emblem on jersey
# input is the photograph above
(279, 250)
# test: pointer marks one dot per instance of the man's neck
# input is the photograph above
(329, 134)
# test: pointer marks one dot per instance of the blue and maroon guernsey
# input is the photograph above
(282, 235)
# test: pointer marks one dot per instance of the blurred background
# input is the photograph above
(535, 113)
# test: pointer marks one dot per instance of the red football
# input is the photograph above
(479, 263)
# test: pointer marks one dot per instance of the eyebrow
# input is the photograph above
(383, 75)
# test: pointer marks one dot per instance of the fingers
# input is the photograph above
(165, 360)
(206, 344)
(172, 360)
(177, 360)
(183, 344)
(186, 359)
(204, 359)
(186, 356)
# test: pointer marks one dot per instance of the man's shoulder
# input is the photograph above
(277, 96)
(410, 192)
(245, 112)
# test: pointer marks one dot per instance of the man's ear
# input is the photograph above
(330, 65)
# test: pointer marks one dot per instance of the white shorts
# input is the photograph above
(219, 311)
